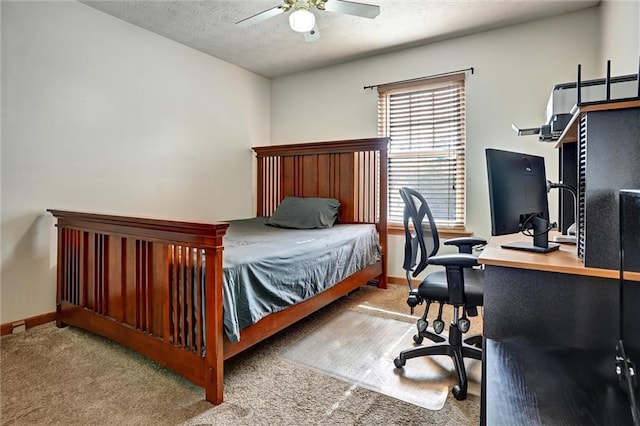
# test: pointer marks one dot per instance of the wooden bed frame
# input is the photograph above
(115, 276)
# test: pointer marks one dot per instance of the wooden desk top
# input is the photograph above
(563, 260)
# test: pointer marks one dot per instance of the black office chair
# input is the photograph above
(459, 284)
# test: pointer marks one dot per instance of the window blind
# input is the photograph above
(426, 124)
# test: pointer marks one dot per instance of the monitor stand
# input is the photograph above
(540, 243)
(525, 246)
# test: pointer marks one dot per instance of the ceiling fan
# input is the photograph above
(303, 21)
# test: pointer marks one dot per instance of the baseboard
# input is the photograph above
(27, 323)
(402, 280)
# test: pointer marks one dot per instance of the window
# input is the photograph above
(426, 124)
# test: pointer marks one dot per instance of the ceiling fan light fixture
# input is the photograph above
(301, 20)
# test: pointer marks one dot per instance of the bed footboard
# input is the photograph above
(132, 280)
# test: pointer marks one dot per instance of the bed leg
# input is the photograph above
(213, 389)
(382, 283)
(214, 356)
(59, 323)
(378, 282)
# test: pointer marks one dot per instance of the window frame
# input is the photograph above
(456, 146)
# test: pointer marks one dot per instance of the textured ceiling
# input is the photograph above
(271, 49)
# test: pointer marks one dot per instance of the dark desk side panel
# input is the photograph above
(612, 159)
(527, 386)
(550, 309)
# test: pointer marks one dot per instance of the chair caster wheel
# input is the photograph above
(438, 326)
(399, 363)
(418, 339)
(458, 393)
(422, 325)
(464, 325)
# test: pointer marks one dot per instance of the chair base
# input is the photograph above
(418, 338)
(457, 349)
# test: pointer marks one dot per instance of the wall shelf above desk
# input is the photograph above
(599, 153)
(570, 133)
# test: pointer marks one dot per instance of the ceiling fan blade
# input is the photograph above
(352, 8)
(312, 35)
(262, 16)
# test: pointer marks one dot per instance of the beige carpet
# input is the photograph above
(70, 377)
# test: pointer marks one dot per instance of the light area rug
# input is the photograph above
(360, 349)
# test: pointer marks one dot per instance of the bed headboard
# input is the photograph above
(352, 171)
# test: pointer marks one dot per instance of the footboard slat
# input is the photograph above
(158, 281)
(184, 305)
(129, 309)
(95, 288)
(199, 282)
(189, 327)
(66, 264)
(99, 272)
(112, 277)
(71, 265)
(181, 298)
(173, 294)
(186, 297)
(139, 294)
(142, 286)
(148, 301)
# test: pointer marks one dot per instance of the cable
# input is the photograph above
(527, 231)
(572, 190)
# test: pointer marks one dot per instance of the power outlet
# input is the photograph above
(18, 327)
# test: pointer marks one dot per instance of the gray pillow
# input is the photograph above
(305, 213)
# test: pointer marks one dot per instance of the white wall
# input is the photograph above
(103, 116)
(620, 36)
(100, 115)
(515, 70)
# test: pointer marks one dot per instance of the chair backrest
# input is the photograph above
(420, 232)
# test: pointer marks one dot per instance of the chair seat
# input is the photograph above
(434, 286)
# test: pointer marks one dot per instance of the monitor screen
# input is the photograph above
(518, 196)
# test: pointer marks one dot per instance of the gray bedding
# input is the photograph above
(267, 269)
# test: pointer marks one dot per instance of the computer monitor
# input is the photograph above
(518, 198)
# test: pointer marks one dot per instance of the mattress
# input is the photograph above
(267, 269)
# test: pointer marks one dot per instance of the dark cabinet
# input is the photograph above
(604, 159)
